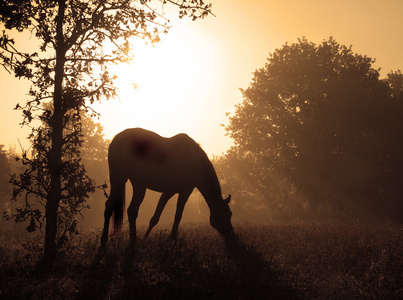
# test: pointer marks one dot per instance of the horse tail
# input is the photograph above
(116, 202)
(118, 209)
(118, 180)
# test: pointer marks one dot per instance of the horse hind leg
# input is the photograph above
(160, 207)
(133, 211)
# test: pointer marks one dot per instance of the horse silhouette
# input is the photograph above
(167, 165)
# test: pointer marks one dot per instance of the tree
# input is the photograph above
(316, 120)
(78, 41)
(89, 158)
(33, 184)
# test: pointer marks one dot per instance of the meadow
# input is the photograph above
(273, 261)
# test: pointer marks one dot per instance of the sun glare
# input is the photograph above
(159, 89)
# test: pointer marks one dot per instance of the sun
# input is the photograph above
(155, 82)
(172, 87)
(156, 89)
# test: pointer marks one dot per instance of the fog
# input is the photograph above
(196, 210)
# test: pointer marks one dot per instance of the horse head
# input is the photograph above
(220, 218)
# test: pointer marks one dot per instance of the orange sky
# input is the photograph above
(200, 66)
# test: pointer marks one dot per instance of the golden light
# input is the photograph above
(162, 88)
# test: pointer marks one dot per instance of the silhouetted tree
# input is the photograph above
(33, 184)
(91, 156)
(316, 122)
(78, 40)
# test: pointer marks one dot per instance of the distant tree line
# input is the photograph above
(318, 134)
(8, 166)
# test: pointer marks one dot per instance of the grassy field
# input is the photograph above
(297, 261)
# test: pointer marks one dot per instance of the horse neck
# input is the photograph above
(210, 186)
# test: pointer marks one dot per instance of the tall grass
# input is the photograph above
(296, 261)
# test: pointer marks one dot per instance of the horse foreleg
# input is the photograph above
(160, 207)
(182, 199)
(133, 211)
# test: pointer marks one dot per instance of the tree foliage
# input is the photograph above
(320, 132)
(24, 209)
(78, 40)
(33, 183)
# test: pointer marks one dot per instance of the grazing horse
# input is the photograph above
(167, 165)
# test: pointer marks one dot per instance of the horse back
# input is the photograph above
(152, 160)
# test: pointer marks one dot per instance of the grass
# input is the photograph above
(295, 261)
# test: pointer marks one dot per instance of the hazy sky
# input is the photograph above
(189, 81)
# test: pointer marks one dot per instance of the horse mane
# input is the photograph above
(210, 175)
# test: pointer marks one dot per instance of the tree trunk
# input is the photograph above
(55, 159)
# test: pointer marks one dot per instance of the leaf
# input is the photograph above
(32, 225)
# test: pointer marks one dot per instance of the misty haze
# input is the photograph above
(194, 150)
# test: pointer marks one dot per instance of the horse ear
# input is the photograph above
(228, 199)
